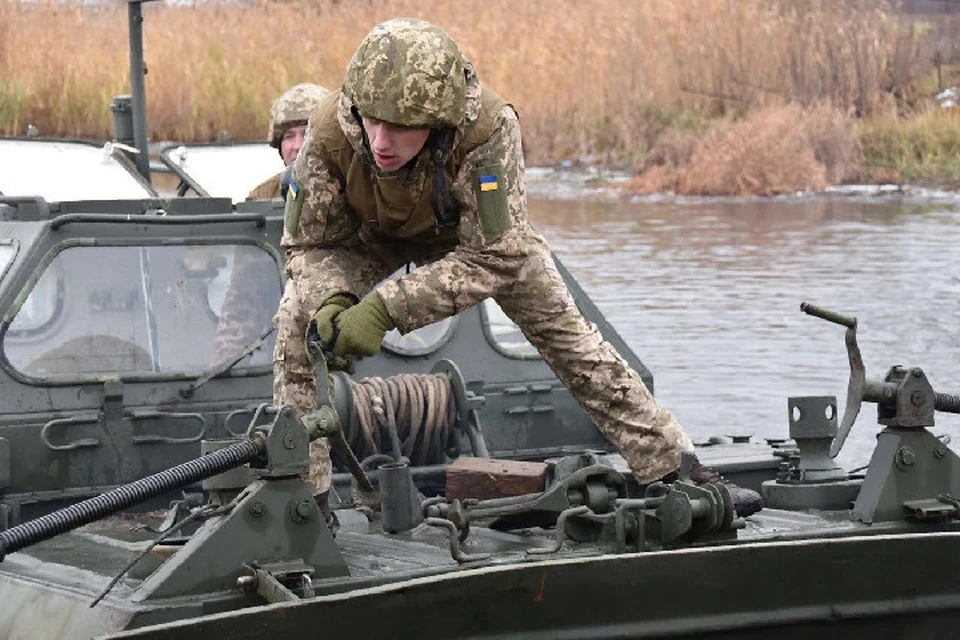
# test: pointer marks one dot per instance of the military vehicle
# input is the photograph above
(149, 488)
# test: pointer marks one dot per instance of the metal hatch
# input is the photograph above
(67, 170)
(222, 170)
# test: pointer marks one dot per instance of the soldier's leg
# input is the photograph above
(609, 390)
(312, 277)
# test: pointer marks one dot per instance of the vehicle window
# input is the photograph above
(8, 251)
(420, 341)
(504, 333)
(42, 304)
(131, 310)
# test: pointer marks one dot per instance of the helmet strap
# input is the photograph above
(444, 208)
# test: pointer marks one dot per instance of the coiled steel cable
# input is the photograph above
(92, 509)
(412, 412)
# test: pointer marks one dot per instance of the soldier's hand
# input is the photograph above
(321, 324)
(362, 327)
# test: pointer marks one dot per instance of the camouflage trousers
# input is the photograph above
(612, 394)
(313, 276)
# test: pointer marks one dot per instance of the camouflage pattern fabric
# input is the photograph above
(291, 108)
(250, 299)
(240, 320)
(239, 323)
(313, 276)
(266, 190)
(498, 255)
(408, 72)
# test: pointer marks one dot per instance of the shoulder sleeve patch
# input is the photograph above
(294, 203)
(491, 201)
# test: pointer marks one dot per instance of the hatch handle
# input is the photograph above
(81, 443)
(152, 438)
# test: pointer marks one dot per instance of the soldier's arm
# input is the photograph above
(496, 242)
(315, 212)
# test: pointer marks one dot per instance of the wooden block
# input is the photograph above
(483, 478)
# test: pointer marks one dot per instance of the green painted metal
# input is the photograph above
(185, 543)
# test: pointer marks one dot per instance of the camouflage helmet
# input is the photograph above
(408, 72)
(293, 107)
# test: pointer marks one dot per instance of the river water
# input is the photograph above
(707, 292)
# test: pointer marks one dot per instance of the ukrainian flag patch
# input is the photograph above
(293, 206)
(489, 182)
(492, 203)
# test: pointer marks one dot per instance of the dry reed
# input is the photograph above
(599, 80)
(774, 150)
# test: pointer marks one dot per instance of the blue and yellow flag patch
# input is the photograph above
(293, 205)
(489, 183)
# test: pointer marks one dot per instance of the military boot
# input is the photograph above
(745, 501)
(329, 515)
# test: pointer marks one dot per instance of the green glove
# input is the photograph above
(362, 327)
(321, 324)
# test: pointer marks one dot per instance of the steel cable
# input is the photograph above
(417, 411)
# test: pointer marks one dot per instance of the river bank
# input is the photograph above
(694, 96)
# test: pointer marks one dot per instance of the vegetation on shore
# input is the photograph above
(699, 96)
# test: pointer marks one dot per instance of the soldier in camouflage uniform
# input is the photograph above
(239, 321)
(288, 123)
(413, 160)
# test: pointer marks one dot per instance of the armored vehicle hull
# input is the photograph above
(149, 489)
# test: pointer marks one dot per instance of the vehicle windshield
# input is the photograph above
(8, 250)
(60, 171)
(224, 171)
(132, 310)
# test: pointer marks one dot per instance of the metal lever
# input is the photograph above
(858, 374)
(325, 421)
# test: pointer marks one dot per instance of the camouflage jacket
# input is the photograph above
(266, 190)
(493, 244)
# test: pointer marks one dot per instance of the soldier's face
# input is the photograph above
(291, 142)
(393, 146)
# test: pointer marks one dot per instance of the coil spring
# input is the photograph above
(92, 509)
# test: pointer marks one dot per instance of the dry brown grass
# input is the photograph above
(774, 150)
(601, 79)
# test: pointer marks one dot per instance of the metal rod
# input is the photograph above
(830, 316)
(138, 91)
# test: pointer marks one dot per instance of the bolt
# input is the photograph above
(304, 509)
(917, 398)
(916, 373)
(940, 451)
(286, 412)
(257, 509)
(906, 457)
(289, 440)
(888, 393)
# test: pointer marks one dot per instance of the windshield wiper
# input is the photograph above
(225, 365)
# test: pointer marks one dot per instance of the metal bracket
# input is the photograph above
(270, 582)
(80, 443)
(158, 439)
